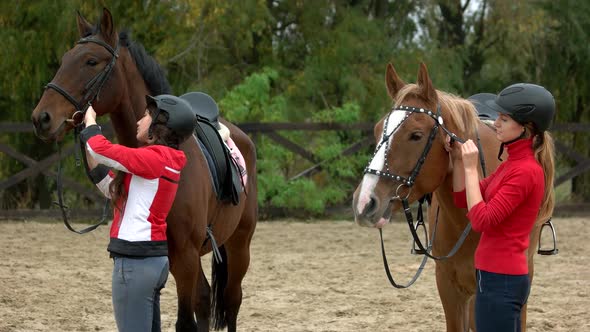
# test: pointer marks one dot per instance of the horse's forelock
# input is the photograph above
(460, 111)
(409, 90)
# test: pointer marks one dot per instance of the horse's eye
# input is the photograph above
(416, 136)
(91, 62)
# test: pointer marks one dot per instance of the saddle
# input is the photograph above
(484, 111)
(225, 173)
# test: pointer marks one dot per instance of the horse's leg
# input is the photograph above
(454, 302)
(472, 313)
(531, 274)
(185, 267)
(237, 247)
(203, 301)
(523, 318)
(238, 253)
(533, 244)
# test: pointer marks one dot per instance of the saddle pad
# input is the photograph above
(238, 160)
(224, 170)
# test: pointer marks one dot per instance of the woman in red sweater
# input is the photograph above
(505, 206)
(142, 192)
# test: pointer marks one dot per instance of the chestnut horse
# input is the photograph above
(115, 74)
(406, 140)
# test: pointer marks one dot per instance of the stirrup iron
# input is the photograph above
(552, 251)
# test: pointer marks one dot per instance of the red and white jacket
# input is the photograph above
(151, 180)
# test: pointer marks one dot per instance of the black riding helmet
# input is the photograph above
(525, 103)
(181, 118)
(484, 111)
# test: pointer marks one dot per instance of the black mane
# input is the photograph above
(150, 70)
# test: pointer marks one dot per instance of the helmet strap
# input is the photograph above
(510, 142)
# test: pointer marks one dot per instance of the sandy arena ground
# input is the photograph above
(321, 276)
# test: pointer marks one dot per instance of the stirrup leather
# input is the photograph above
(420, 223)
(415, 250)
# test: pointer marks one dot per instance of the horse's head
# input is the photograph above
(410, 159)
(88, 74)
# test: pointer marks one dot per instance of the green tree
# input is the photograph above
(36, 34)
(305, 61)
(34, 40)
(563, 66)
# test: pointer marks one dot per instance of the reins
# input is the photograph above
(409, 182)
(64, 208)
(91, 93)
(424, 259)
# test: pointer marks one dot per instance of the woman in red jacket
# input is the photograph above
(142, 192)
(505, 206)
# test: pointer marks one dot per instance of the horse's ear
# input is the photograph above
(84, 28)
(393, 82)
(426, 88)
(107, 28)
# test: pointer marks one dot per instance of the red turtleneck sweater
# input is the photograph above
(512, 196)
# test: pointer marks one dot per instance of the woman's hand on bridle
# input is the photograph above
(454, 148)
(90, 117)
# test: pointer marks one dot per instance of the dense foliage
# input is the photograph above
(305, 61)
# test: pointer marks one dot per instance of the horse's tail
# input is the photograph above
(219, 282)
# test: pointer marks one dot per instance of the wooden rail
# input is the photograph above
(271, 130)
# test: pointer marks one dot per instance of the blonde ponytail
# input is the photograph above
(544, 151)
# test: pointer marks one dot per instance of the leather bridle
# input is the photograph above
(409, 182)
(93, 87)
(91, 93)
(387, 173)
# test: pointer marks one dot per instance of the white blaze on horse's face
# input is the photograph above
(369, 181)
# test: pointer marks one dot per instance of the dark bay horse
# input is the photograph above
(115, 74)
(406, 138)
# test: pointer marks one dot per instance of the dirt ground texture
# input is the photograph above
(314, 276)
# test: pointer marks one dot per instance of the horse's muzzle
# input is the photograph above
(365, 211)
(42, 123)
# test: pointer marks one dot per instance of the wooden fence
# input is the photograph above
(271, 130)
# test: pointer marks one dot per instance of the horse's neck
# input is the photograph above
(125, 126)
(444, 193)
(132, 106)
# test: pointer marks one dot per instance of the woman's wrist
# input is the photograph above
(471, 171)
(457, 161)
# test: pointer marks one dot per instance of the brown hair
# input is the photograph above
(544, 152)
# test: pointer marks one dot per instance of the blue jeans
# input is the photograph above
(136, 292)
(499, 301)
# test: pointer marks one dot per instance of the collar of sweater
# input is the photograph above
(520, 149)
